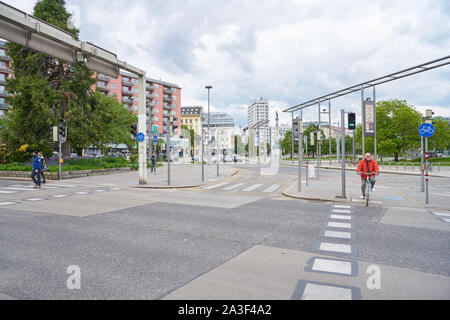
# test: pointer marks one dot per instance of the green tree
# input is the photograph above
(441, 139)
(397, 129)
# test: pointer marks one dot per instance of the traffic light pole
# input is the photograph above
(60, 157)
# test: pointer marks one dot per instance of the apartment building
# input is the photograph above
(163, 99)
(258, 111)
(5, 73)
(192, 118)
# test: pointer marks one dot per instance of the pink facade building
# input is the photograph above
(163, 99)
(5, 73)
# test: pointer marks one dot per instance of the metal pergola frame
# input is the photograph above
(371, 83)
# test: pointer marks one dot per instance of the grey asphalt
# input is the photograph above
(149, 251)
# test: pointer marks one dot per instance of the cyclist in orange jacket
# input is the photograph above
(367, 165)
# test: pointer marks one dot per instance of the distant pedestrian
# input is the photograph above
(153, 168)
(44, 165)
(37, 167)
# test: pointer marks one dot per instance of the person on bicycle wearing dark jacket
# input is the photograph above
(367, 165)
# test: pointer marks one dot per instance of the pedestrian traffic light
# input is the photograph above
(134, 130)
(62, 130)
(352, 121)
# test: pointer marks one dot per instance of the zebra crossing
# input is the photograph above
(65, 190)
(244, 187)
(331, 242)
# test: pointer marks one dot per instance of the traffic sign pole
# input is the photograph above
(426, 166)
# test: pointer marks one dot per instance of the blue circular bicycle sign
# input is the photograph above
(140, 137)
(426, 130)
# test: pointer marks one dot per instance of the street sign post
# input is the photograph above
(426, 130)
(155, 139)
(140, 137)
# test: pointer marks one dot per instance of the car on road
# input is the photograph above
(228, 158)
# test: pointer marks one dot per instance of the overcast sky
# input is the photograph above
(285, 51)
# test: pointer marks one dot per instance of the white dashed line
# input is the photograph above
(6, 203)
(7, 192)
(253, 187)
(340, 217)
(441, 214)
(322, 292)
(339, 225)
(35, 199)
(446, 220)
(342, 206)
(334, 266)
(341, 211)
(81, 192)
(335, 247)
(272, 188)
(60, 196)
(234, 186)
(214, 186)
(337, 234)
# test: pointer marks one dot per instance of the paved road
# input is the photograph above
(234, 238)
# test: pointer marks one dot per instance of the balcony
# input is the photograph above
(150, 87)
(167, 91)
(167, 98)
(4, 106)
(150, 96)
(173, 113)
(102, 77)
(2, 80)
(155, 112)
(127, 92)
(167, 107)
(5, 57)
(103, 88)
(5, 69)
(3, 93)
(127, 100)
(127, 82)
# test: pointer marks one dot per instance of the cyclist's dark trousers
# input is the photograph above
(43, 177)
(33, 177)
(153, 168)
(364, 182)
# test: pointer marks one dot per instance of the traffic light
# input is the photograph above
(351, 121)
(62, 130)
(134, 130)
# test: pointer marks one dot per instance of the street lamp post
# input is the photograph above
(208, 136)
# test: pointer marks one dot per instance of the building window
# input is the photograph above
(156, 94)
(112, 86)
(190, 121)
(156, 86)
(136, 90)
(2, 52)
(2, 100)
(3, 64)
(156, 102)
(135, 81)
(156, 118)
(174, 97)
(2, 76)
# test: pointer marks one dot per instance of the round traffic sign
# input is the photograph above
(140, 137)
(426, 130)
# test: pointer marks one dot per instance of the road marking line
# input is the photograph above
(81, 192)
(323, 292)
(100, 190)
(446, 220)
(253, 187)
(370, 201)
(334, 266)
(60, 196)
(6, 203)
(21, 189)
(115, 189)
(342, 206)
(337, 234)
(272, 188)
(441, 214)
(341, 217)
(234, 186)
(339, 225)
(215, 186)
(335, 247)
(7, 192)
(35, 199)
(342, 211)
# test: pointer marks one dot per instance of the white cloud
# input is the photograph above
(285, 51)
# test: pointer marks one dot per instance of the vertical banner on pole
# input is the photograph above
(369, 120)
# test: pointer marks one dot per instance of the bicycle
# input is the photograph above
(368, 186)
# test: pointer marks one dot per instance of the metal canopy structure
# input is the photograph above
(371, 83)
(24, 29)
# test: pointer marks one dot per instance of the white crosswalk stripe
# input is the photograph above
(234, 186)
(272, 188)
(253, 187)
(214, 186)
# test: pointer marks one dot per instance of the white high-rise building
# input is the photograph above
(259, 111)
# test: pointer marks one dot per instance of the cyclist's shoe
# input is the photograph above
(362, 197)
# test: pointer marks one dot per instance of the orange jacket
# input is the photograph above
(362, 167)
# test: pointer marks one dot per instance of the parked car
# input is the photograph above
(228, 158)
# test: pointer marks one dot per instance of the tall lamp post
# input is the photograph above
(208, 136)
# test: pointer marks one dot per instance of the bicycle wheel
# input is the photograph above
(367, 193)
